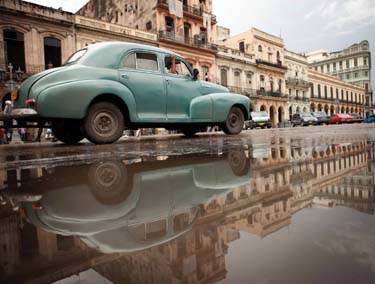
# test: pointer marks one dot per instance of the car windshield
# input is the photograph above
(259, 114)
(319, 113)
(76, 56)
(305, 114)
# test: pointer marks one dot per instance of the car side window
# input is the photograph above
(141, 61)
(180, 69)
(129, 61)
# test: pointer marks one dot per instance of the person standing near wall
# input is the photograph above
(7, 110)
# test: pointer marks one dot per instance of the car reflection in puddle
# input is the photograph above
(199, 218)
(114, 207)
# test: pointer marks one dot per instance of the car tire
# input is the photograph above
(189, 132)
(110, 182)
(104, 123)
(238, 162)
(234, 122)
(68, 135)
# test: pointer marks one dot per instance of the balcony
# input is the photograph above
(298, 99)
(263, 93)
(298, 82)
(279, 64)
(193, 11)
(252, 92)
(197, 41)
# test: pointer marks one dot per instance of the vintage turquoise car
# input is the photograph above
(108, 87)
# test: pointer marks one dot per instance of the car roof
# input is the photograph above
(109, 54)
(129, 46)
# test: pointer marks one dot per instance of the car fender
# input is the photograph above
(72, 99)
(201, 108)
(221, 105)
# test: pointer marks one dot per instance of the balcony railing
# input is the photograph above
(342, 101)
(298, 99)
(297, 82)
(191, 10)
(279, 64)
(197, 41)
(252, 92)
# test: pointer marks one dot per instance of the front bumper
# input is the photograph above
(19, 113)
(253, 124)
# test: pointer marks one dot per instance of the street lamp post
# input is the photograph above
(16, 139)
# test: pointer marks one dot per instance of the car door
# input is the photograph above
(141, 73)
(181, 89)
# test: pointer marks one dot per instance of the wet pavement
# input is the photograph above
(269, 206)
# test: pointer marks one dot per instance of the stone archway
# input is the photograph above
(305, 109)
(272, 114)
(347, 110)
(342, 109)
(326, 109)
(263, 108)
(290, 112)
(351, 110)
(312, 107)
(280, 114)
(298, 110)
(320, 107)
(332, 110)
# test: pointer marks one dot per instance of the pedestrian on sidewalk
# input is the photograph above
(7, 110)
(2, 138)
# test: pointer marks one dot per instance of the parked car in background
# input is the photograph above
(356, 118)
(107, 87)
(304, 119)
(258, 119)
(322, 117)
(340, 118)
(369, 119)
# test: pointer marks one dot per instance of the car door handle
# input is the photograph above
(124, 76)
(167, 80)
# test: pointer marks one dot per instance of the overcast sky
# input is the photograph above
(304, 25)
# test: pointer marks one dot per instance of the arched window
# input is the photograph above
(237, 79)
(14, 47)
(224, 77)
(52, 52)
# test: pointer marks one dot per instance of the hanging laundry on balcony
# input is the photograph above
(206, 20)
(172, 7)
(179, 9)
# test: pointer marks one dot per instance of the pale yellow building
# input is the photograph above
(334, 96)
(297, 85)
(269, 80)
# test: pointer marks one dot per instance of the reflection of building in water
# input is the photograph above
(355, 191)
(286, 180)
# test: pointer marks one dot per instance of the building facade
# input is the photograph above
(186, 27)
(297, 84)
(352, 65)
(269, 79)
(335, 96)
(236, 70)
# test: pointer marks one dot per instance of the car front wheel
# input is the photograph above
(235, 120)
(104, 123)
(68, 135)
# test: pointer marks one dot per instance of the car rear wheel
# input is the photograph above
(68, 134)
(104, 123)
(235, 120)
